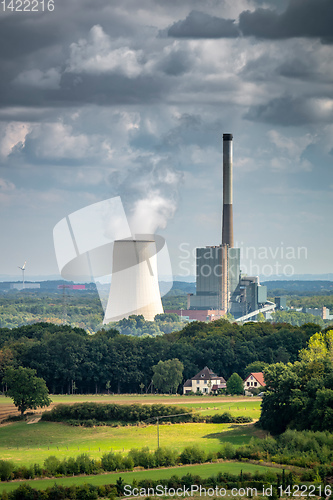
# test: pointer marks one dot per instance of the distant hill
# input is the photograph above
(299, 287)
(178, 288)
(182, 288)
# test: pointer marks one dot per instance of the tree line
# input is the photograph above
(70, 360)
(299, 395)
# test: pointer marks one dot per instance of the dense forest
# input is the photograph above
(69, 359)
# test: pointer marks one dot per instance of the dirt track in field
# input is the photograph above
(11, 411)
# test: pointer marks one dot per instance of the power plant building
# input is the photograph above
(219, 284)
(217, 277)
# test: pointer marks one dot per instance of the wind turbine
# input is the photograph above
(23, 269)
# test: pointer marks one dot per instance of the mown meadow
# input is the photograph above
(204, 470)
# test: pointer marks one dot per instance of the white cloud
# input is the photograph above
(96, 55)
(13, 134)
(57, 141)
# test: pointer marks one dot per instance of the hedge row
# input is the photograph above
(116, 413)
(93, 414)
(109, 462)
(90, 492)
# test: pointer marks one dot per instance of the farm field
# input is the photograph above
(208, 405)
(28, 444)
(204, 470)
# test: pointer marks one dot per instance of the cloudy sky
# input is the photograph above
(104, 98)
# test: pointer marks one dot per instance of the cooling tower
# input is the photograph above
(227, 218)
(134, 283)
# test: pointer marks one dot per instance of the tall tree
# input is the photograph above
(26, 389)
(168, 375)
(235, 384)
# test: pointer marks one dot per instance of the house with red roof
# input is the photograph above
(254, 381)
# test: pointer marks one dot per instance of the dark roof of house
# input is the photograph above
(206, 374)
(188, 383)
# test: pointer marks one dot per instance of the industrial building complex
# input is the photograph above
(220, 288)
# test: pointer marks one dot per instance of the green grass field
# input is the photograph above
(28, 444)
(207, 405)
(204, 470)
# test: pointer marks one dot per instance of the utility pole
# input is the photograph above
(158, 433)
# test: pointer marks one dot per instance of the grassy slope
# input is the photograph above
(204, 470)
(28, 444)
(33, 443)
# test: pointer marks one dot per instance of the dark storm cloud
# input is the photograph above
(106, 89)
(302, 18)
(176, 63)
(307, 68)
(111, 88)
(24, 33)
(19, 36)
(291, 111)
(296, 68)
(31, 115)
(201, 25)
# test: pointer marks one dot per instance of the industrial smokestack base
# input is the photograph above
(227, 217)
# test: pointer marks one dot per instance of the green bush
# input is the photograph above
(6, 470)
(51, 465)
(242, 420)
(192, 455)
(227, 451)
(165, 457)
(223, 418)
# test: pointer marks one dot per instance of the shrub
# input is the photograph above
(6, 470)
(165, 457)
(242, 420)
(228, 451)
(192, 454)
(222, 418)
(51, 465)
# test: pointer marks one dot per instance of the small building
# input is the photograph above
(254, 381)
(281, 303)
(323, 312)
(24, 286)
(205, 315)
(205, 382)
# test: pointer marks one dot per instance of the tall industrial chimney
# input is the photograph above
(227, 219)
